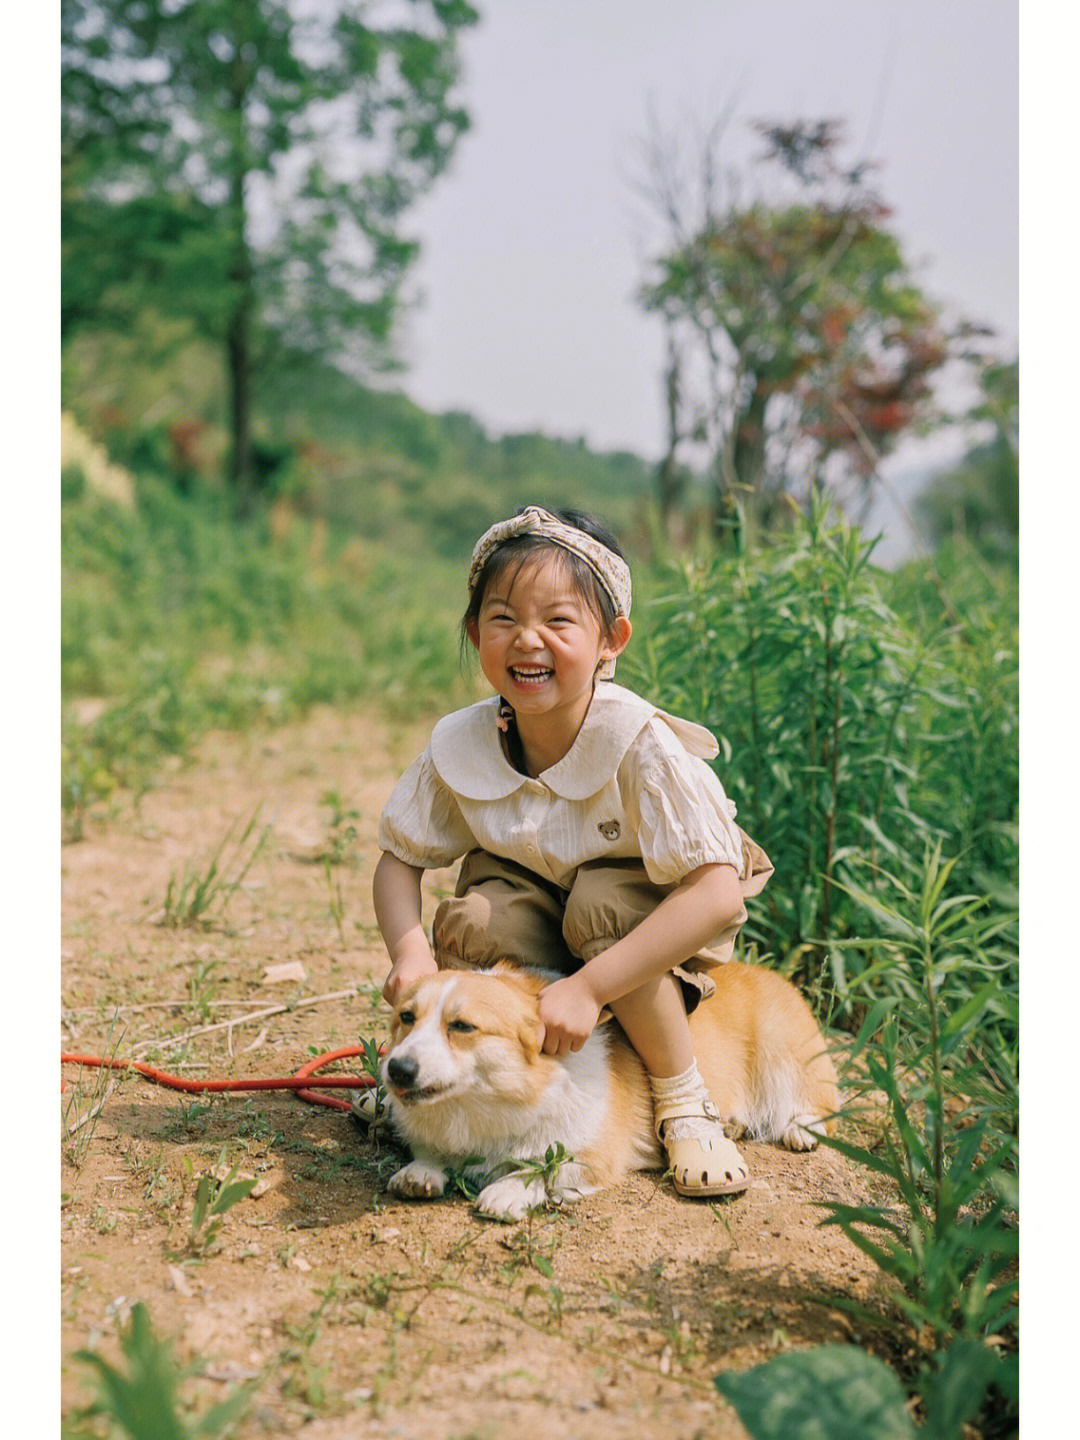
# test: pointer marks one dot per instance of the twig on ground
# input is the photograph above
(168, 1041)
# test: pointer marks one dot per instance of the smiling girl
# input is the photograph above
(597, 842)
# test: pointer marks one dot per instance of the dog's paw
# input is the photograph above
(802, 1134)
(573, 1182)
(511, 1198)
(418, 1181)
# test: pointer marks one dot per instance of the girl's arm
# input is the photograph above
(705, 902)
(396, 891)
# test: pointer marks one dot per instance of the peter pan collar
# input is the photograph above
(466, 752)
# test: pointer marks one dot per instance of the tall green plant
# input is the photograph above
(849, 725)
(937, 1047)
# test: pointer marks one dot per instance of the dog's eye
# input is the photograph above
(406, 1017)
(462, 1027)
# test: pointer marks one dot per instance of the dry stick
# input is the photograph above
(95, 1111)
(170, 1040)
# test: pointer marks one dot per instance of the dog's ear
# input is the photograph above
(530, 1034)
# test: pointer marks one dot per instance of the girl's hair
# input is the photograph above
(512, 554)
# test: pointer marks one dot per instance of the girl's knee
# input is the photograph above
(606, 901)
(499, 918)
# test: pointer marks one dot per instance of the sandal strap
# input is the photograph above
(665, 1110)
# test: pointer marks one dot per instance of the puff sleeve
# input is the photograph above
(422, 823)
(682, 816)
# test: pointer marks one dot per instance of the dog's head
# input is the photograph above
(467, 1033)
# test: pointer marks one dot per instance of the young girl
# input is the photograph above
(596, 841)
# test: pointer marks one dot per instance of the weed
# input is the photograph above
(214, 1197)
(337, 901)
(103, 1221)
(529, 1252)
(255, 1125)
(721, 1215)
(954, 1248)
(189, 901)
(190, 1118)
(343, 832)
(202, 987)
(144, 1402)
(80, 1112)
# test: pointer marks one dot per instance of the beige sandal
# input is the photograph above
(701, 1167)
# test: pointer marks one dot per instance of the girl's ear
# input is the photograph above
(618, 638)
(472, 630)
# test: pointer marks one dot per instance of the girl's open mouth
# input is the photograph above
(530, 675)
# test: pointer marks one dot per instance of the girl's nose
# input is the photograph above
(528, 639)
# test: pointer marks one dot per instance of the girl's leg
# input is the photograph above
(654, 1018)
(605, 903)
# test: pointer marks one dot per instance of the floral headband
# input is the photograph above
(611, 570)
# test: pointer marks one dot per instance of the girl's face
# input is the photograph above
(540, 642)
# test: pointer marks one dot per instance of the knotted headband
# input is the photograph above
(612, 572)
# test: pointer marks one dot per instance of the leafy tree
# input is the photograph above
(980, 498)
(805, 347)
(247, 164)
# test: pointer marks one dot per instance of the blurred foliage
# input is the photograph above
(861, 716)
(247, 166)
(800, 346)
(979, 500)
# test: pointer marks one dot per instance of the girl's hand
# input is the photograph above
(568, 1013)
(404, 973)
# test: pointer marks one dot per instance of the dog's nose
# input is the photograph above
(402, 1071)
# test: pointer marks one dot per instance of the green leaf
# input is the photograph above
(229, 1195)
(832, 1392)
(142, 1403)
(954, 1390)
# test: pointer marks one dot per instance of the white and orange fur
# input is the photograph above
(467, 1081)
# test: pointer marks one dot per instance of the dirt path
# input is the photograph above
(361, 1315)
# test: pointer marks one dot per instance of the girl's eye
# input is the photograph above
(461, 1027)
(407, 1017)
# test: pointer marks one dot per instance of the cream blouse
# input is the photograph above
(634, 785)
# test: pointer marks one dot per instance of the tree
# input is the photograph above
(813, 346)
(979, 499)
(248, 164)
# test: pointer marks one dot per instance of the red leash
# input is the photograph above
(297, 1082)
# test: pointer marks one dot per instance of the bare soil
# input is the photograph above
(357, 1314)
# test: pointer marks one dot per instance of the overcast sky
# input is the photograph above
(532, 243)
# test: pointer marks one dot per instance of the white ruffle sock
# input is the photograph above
(670, 1092)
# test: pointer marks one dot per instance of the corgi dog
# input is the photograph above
(469, 1088)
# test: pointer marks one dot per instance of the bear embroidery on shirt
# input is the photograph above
(609, 829)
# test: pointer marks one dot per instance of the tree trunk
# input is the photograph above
(671, 482)
(238, 332)
(238, 342)
(748, 463)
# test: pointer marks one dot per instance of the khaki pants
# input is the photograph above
(502, 911)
